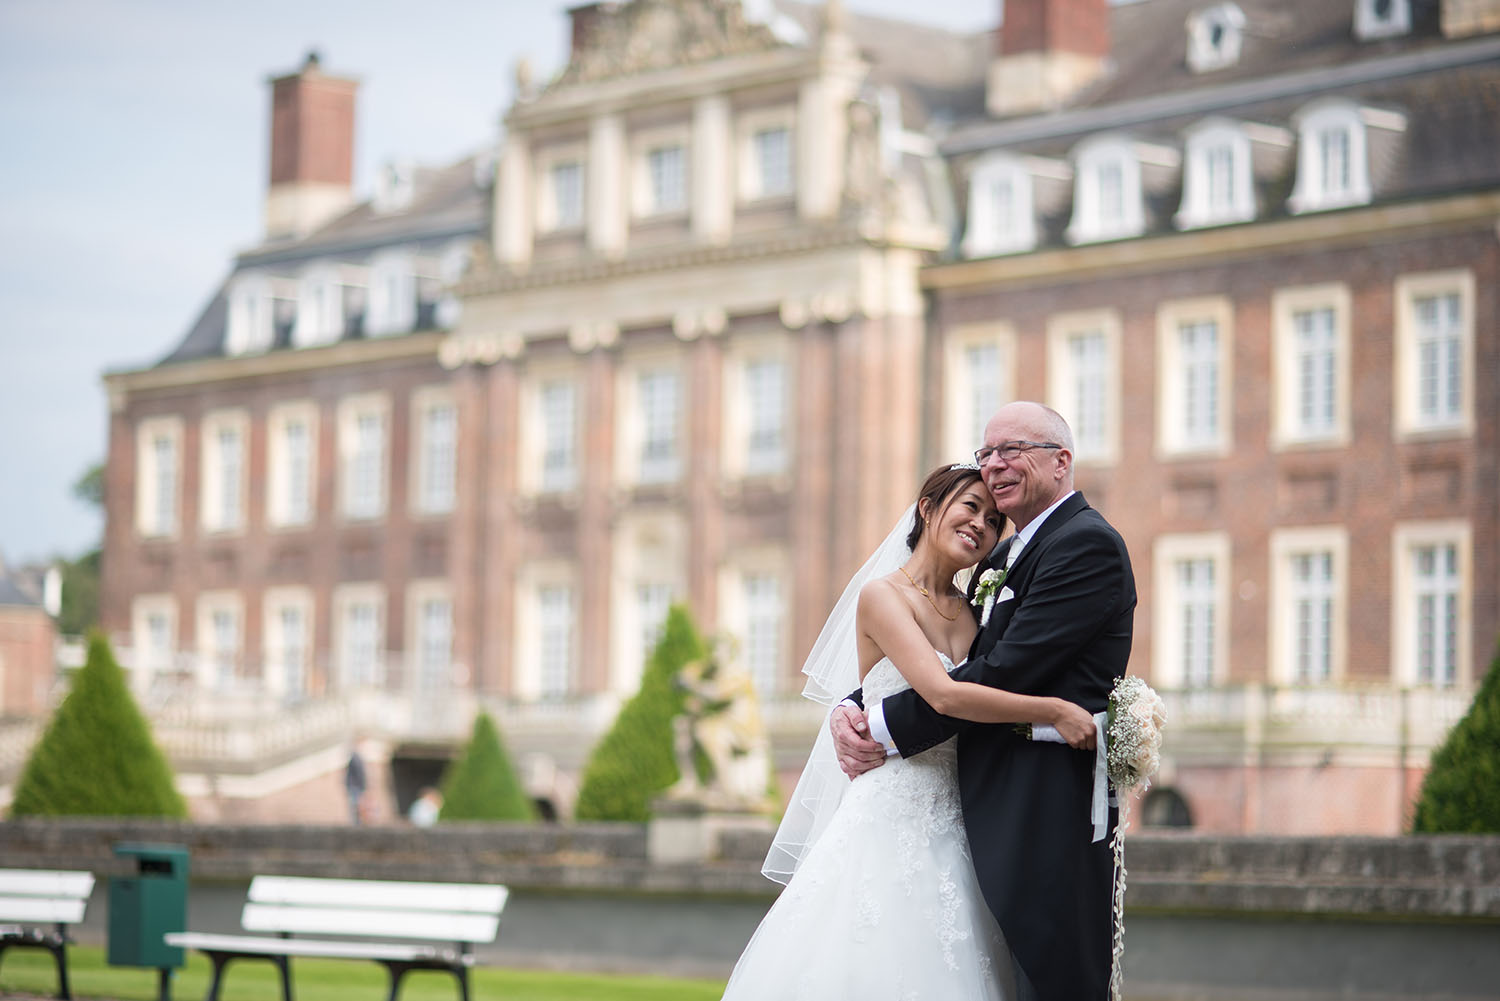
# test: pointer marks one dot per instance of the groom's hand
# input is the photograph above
(857, 753)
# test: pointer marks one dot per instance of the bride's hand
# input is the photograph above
(857, 753)
(1076, 725)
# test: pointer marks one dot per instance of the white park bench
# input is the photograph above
(36, 908)
(457, 915)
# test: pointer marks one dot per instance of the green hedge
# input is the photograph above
(1461, 794)
(97, 757)
(634, 761)
(482, 784)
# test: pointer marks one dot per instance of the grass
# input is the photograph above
(31, 971)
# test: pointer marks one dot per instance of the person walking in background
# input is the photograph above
(355, 783)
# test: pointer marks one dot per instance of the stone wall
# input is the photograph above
(1411, 878)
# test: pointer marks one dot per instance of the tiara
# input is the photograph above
(964, 465)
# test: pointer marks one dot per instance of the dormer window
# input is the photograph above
(320, 307)
(1107, 192)
(1217, 186)
(251, 326)
(392, 299)
(1002, 219)
(1381, 18)
(1214, 37)
(1333, 168)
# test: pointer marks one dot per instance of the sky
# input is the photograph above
(135, 135)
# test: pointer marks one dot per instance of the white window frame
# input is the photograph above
(1409, 289)
(1406, 539)
(434, 468)
(1288, 429)
(391, 301)
(1173, 437)
(964, 391)
(736, 613)
(354, 506)
(1311, 191)
(1287, 546)
(631, 462)
(1199, 207)
(287, 661)
(320, 306)
(429, 653)
(1368, 25)
(220, 669)
(1091, 160)
(549, 217)
(742, 420)
(251, 323)
(1064, 389)
(646, 147)
(1167, 668)
(751, 184)
(222, 497)
(991, 232)
(346, 597)
(149, 660)
(282, 507)
(156, 517)
(1204, 52)
(539, 434)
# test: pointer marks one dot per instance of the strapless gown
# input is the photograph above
(885, 906)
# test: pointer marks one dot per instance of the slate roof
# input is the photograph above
(449, 202)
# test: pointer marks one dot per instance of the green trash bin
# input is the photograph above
(146, 905)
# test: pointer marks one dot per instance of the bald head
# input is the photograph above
(1026, 486)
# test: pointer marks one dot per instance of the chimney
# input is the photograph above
(584, 21)
(1046, 52)
(312, 149)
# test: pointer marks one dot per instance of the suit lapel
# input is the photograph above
(1020, 574)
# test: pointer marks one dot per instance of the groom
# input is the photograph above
(1061, 627)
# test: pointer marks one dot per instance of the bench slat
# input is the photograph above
(41, 909)
(384, 922)
(311, 947)
(45, 883)
(477, 898)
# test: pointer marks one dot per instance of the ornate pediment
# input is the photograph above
(622, 39)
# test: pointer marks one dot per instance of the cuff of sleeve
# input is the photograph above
(879, 732)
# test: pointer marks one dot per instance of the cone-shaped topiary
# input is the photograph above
(97, 757)
(635, 761)
(1461, 794)
(482, 784)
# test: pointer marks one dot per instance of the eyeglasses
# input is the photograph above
(1010, 451)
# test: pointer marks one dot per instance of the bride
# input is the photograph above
(881, 900)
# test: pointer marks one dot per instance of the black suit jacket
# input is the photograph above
(1065, 633)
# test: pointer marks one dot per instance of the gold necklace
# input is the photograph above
(926, 595)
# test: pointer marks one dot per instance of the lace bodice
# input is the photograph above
(883, 680)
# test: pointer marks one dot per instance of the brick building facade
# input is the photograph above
(730, 287)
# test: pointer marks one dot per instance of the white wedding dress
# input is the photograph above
(885, 906)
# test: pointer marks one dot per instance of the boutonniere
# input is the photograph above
(989, 585)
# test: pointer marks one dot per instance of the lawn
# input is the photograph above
(31, 971)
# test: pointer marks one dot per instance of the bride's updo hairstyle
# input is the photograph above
(938, 490)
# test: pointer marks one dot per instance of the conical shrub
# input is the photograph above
(634, 761)
(1461, 794)
(97, 757)
(482, 784)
